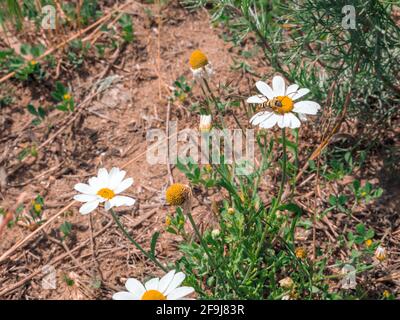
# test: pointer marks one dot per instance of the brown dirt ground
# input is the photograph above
(110, 131)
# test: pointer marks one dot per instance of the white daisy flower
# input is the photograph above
(205, 123)
(166, 288)
(280, 105)
(200, 66)
(104, 189)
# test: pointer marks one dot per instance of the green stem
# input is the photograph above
(197, 232)
(137, 245)
(204, 245)
(214, 99)
(284, 165)
(205, 95)
(274, 208)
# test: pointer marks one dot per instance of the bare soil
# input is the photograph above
(110, 131)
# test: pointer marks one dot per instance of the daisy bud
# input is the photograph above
(177, 194)
(286, 283)
(205, 123)
(301, 253)
(380, 253)
(349, 277)
(37, 207)
(368, 242)
(215, 233)
(67, 97)
(231, 211)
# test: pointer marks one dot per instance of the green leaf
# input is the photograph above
(62, 107)
(291, 207)
(36, 122)
(153, 243)
(66, 228)
(32, 110)
(369, 234)
(361, 229)
(41, 112)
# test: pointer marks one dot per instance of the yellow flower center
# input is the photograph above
(177, 194)
(198, 60)
(33, 62)
(368, 242)
(67, 96)
(153, 295)
(106, 193)
(282, 104)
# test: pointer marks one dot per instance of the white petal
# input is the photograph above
(152, 284)
(102, 176)
(270, 121)
(135, 287)
(89, 207)
(123, 185)
(108, 205)
(256, 99)
(306, 107)
(300, 93)
(294, 122)
(113, 172)
(209, 70)
(286, 120)
(292, 89)
(175, 282)
(165, 281)
(115, 177)
(278, 84)
(179, 293)
(94, 182)
(85, 197)
(281, 121)
(259, 117)
(118, 201)
(123, 295)
(265, 89)
(85, 188)
(302, 117)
